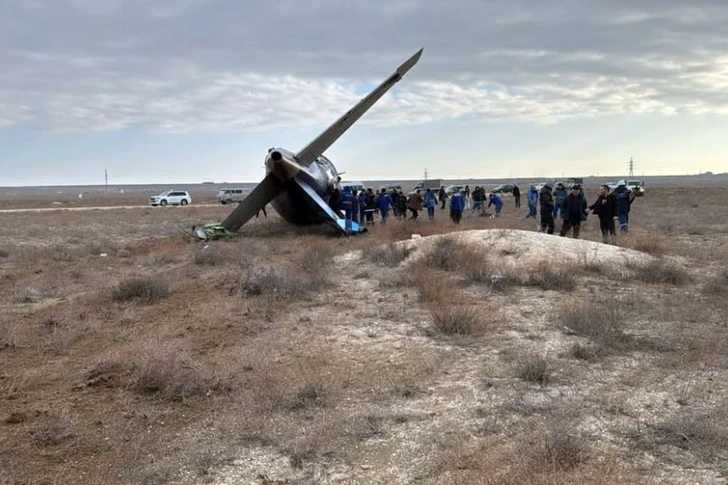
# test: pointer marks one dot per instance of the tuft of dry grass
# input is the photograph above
(650, 243)
(659, 271)
(534, 369)
(457, 320)
(389, 255)
(602, 322)
(560, 449)
(4, 254)
(147, 290)
(718, 284)
(553, 276)
(216, 255)
(446, 254)
(156, 260)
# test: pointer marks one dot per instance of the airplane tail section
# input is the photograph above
(318, 146)
(263, 193)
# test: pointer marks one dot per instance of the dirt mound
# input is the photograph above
(527, 247)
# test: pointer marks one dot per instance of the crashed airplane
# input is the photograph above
(297, 185)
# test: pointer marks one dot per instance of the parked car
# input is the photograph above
(504, 189)
(356, 186)
(228, 196)
(450, 189)
(173, 197)
(636, 186)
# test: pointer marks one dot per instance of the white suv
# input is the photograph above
(174, 197)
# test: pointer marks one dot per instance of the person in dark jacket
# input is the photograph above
(624, 197)
(414, 203)
(546, 199)
(371, 202)
(574, 208)
(457, 205)
(517, 196)
(384, 202)
(394, 198)
(402, 205)
(335, 196)
(477, 200)
(606, 209)
(346, 203)
(362, 206)
(443, 197)
(355, 206)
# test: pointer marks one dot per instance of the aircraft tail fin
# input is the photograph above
(309, 153)
(263, 193)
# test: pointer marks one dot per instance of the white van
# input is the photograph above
(228, 196)
(356, 186)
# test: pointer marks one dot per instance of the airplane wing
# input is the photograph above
(318, 146)
(263, 193)
(323, 210)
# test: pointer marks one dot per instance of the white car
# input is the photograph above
(228, 196)
(172, 197)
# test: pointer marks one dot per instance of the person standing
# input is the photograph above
(335, 196)
(430, 204)
(532, 198)
(371, 205)
(573, 213)
(402, 205)
(456, 206)
(414, 204)
(546, 199)
(624, 197)
(346, 204)
(362, 206)
(477, 200)
(466, 198)
(559, 194)
(384, 202)
(394, 199)
(606, 209)
(494, 199)
(517, 196)
(355, 206)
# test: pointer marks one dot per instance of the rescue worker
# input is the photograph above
(414, 203)
(430, 204)
(347, 205)
(532, 198)
(443, 197)
(494, 199)
(477, 200)
(457, 205)
(573, 213)
(546, 199)
(517, 196)
(560, 193)
(384, 202)
(624, 197)
(335, 196)
(606, 208)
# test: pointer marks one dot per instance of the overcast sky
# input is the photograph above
(197, 90)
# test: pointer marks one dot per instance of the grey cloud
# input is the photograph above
(230, 65)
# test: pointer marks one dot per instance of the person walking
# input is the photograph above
(414, 204)
(371, 205)
(362, 206)
(347, 205)
(384, 202)
(574, 208)
(394, 199)
(624, 197)
(477, 200)
(402, 205)
(443, 197)
(560, 194)
(430, 204)
(355, 206)
(546, 199)
(494, 199)
(456, 206)
(517, 196)
(532, 199)
(606, 208)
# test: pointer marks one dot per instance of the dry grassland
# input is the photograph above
(129, 354)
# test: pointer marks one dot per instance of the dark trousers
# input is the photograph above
(547, 221)
(431, 212)
(370, 215)
(456, 216)
(443, 203)
(385, 214)
(609, 232)
(518, 201)
(568, 225)
(414, 213)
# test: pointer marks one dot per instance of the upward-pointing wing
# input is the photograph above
(318, 146)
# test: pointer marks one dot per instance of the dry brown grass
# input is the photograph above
(389, 255)
(534, 369)
(147, 290)
(717, 285)
(457, 320)
(602, 322)
(647, 242)
(660, 271)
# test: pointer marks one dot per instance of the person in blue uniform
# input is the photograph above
(494, 199)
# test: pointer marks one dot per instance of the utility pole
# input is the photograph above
(425, 174)
(631, 167)
(106, 177)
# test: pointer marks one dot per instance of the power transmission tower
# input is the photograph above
(631, 167)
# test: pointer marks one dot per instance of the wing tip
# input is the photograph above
(409, 63)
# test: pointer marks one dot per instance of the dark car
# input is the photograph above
(504, 189)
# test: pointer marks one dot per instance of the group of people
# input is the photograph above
(554, 201)
(573, 208)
